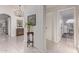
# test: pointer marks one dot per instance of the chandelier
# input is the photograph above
(19, 11)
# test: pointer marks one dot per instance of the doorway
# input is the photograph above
(5, 25)
(66, 26)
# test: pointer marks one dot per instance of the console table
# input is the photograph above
(19, 31)
(29, 40)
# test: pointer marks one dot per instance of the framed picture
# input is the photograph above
(19, 23)
(32, 19)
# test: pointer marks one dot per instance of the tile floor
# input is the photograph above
(15, 45)
(18, 45)
(61, 47)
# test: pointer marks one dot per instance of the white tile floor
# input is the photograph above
(61, 47)
(19, 45)
(15, 45)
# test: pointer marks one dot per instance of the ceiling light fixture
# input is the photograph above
(19, 11)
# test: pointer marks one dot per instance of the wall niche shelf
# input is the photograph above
(20, 26)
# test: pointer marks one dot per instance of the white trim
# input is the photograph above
(75, 28)
(75, 31)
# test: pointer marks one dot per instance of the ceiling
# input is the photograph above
(51, 6)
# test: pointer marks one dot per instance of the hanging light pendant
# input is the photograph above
(19, 11)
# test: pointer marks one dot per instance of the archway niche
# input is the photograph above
(5, 24)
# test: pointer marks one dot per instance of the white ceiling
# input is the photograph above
(51, 6)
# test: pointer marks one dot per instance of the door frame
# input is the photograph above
(75, 24)
(9, 26)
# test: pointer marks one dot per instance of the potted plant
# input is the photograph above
(29, 26)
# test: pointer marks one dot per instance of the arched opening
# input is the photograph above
(5, 24)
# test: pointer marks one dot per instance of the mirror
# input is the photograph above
(19, 23)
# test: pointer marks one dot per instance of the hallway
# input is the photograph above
(14, 45)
